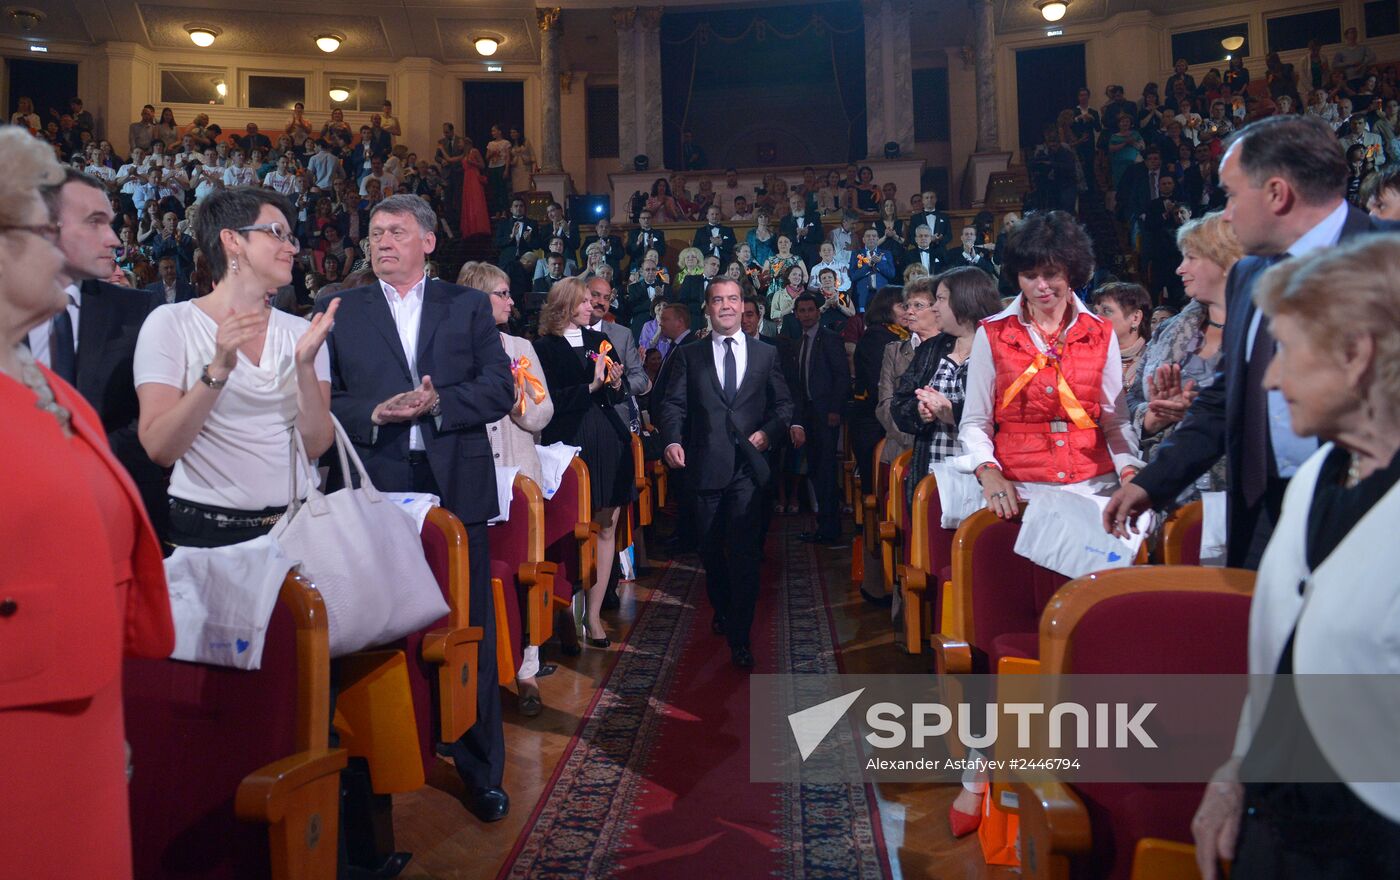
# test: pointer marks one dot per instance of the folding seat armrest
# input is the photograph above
(298, 798)
(456, 652)
(916, 606)
(1054, 826)
(951, 656)
(1017, 666)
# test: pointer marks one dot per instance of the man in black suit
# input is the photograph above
(644, 238)
(1159, 250)
(924, 252)
(643, 295)
(1286, 176)
(970, 254)
(417, 413)
(937, 223)
(693, 290)
(820, 375)
(675, 328)
(724, 406)
(514, 235)
(171, 288)
(612, 245)
(804, 229)
(555, 226)
(1141, 184)
(92, 342)
(713, 238)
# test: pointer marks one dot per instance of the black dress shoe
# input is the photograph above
(490, 805)
(880, 601)
(717, 625)
(742, 657)
(598, 643)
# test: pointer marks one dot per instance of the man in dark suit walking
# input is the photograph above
(724, 405)
(713, 238)
(821, 377)
(92, 342)
(514, 235)
(417, 373)
(171, 288)
(1286, 179)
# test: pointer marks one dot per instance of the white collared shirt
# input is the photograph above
(39, 336)
(979, 406)
(741, 356)
(408, 315)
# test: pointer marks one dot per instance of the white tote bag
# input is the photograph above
(959, 492)
(1062, 530)
(364, 555)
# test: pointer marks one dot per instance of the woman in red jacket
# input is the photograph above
(82, 582)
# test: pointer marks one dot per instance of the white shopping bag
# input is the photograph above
(505, 490)
(1062, 530)
(959, 493)
(414, 504)
(221, 599)
(554, 460)
(1213, 528)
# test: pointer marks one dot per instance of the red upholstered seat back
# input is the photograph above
(195, 732)
(1191, 544)
(940, 540)
(1008, 590)
(422, 676)
(561, 514)
(1152, 633)
(882, 486)
(510, 540)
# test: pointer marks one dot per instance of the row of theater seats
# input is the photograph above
(976, 607)
(234, 775)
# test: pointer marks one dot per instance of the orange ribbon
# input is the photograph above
(526, 385)
(604, 347)
(1071, 403)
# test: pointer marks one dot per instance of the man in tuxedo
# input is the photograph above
(872, 268)
(644, 238)
(612, 245)
(805, 230)
(937, 223)
(171, 288)
(969, 254)
(821, 377)
(91, 343)
(643, 295)
(923, 251)
(1286, 176)
(724, 406)
(555, 226)
(693, 289)
(417, 373)
(514, 234)
(713, 238)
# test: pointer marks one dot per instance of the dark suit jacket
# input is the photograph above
(511, 247)
(460, 348)
(663, 375)
(937, 223)
(936, 256)
(692, 296)
(638, 303)
(183, 291)
(809, 246)
(546, 231)
(828, 373)
(109, 322)
(954, 259)
(637, 248)
(1214, 425)
(614, 255)
(568, 388)
(726, 248)
(714, 433)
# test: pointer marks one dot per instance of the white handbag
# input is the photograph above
(363, 553)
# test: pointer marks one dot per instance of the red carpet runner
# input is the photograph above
(656, 781)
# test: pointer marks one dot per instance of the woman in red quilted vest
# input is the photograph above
(1045, 399)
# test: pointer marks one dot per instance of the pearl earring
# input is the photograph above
(233, 265)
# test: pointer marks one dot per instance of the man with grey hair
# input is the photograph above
(417, 375)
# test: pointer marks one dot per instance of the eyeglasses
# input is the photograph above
(918, 305)
(47, 231)
(276, 230)
(503, 293)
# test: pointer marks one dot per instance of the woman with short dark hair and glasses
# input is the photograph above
(223, 380)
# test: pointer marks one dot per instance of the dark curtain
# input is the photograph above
(758, 32)
(49, 83)
(492, 103)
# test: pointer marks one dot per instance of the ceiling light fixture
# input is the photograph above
(487, 46)
(1052, 10)
(340, 96)
(1232, 44)
(25, 19)
(201, 35)
(329, 42)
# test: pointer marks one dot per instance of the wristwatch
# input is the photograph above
(209, 380)
(436, 409)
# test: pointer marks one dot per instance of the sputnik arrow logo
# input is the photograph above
(810, 726)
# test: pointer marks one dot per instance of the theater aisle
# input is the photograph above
(638, 766)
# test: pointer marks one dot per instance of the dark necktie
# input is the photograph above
(1254, 466)
(731, 372)
(62, 358)
(802, 366)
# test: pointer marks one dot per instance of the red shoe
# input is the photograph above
(963, 824)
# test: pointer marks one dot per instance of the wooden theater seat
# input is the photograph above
(871, 503)
(570, 535)
(892, 524)
(232, 773)
(526, 580)
(1144, 620)
(1181, 535)
(644, 504)
(929, 569)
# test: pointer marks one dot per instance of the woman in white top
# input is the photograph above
(1308, 791)
(223, 379)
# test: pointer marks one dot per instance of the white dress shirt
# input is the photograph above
(236, 176)
(979, 405)
(741, 356)
(408, 315)
(39, 336)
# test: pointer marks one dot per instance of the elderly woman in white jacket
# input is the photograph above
(513, 437)
(1327, 600)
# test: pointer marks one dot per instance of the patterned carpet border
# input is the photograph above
(576, 826)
